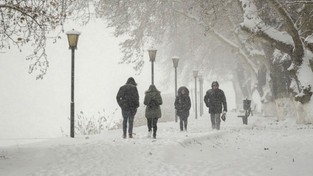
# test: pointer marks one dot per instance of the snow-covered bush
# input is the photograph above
(3, 155)
(85, 125)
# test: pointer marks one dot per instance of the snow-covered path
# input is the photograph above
(264, 147)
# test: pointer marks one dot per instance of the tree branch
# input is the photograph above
(298, 51)
(22, 12)
(301, 2)
(222, 39)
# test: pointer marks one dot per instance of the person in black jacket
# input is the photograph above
(215, 100)
(128, 99)
(182, 106)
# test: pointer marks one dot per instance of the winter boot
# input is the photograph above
(149, 134)
(130, 135)
(181, 126)
(124, 133)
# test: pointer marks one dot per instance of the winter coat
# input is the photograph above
(214, 100)
(127, 96)
(153, 100)
(182, 102)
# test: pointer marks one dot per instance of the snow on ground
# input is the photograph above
(263, 147)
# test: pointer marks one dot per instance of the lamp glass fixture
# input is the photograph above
(175, 61)
(152, 54)
(195, 73)
(72, 37)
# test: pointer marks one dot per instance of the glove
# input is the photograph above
(223, 116)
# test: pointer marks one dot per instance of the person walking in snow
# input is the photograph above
(215, 100)
(182, 106)
(128, 99)
(153, 100)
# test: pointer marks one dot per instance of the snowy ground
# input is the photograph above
(264, 147)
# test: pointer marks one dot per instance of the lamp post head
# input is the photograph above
(175, 61)
(72, 37)
(200, 78)
(195, 73)
(152, 54)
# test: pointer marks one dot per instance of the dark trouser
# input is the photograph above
(183, 122)
(128, 116)
(152, 123)
(215, 120)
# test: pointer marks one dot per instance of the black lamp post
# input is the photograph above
(195, 74)
(152, 54)
(72, 37)
(175, 63)
(201, 94)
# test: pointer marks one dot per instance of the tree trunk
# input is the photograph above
(238, 92)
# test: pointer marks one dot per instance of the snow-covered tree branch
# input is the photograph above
(33, 23)
(286, 37)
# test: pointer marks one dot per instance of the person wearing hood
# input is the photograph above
(182, 106)
(128, 99)
(215, 100)
(152, 100)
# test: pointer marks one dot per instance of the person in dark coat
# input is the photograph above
(215, 100)
(128, 99)
(152, 100)
(182, 106)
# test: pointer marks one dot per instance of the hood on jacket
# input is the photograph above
(131, 81)
(183, 88)
(152, 88)
(214, 83)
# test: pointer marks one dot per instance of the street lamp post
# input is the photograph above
(195, 74)
(175, 63)
(72, 37)
(152, 54)
(201, 94)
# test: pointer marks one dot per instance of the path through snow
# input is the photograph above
(264, 147)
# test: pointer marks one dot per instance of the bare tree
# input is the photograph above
(33, 22)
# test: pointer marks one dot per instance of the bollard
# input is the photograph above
(247, 108)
